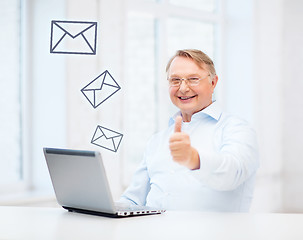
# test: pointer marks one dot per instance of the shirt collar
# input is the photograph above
(213, 110)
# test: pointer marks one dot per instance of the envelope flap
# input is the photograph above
(109, 80)
(109, 133)
(96, 84)
(104, 78)
(74, 28)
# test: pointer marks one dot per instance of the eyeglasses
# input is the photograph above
(192, 81)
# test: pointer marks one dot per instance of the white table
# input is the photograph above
(56, 223)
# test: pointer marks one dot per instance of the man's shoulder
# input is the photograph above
(224, 116)
(232, 123)
(232, 118)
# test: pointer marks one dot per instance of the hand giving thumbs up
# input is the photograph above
(180, 147)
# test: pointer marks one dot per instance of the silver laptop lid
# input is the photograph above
(79, 179)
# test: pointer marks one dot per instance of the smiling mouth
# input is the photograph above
(185, 98)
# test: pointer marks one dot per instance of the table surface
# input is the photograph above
(57, 223)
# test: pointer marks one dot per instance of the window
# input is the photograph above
(204, 5)
(10, 128)
(154, 31)
(186, 33)
(140, 88)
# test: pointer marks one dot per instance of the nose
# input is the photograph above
(183, 87)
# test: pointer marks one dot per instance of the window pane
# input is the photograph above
(10, 128)
(139, 85)
(205, 5)
(183, 33)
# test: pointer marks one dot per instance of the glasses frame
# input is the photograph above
(186, 80)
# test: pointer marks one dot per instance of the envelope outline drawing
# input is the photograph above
(60, 29)
(100, 89)
(106, 138)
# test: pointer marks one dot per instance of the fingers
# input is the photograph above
(178, 124)
(179, 141)
(179, 151)
(178, 136)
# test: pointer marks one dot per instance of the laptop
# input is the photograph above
(80, 184)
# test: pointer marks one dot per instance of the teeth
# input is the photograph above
(184, 98)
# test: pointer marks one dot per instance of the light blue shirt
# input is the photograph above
(228, 163)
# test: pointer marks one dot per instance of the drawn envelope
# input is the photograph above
(106, 138)
(73, 37)
(100, 89)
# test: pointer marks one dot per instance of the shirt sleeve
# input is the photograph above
(235, 161)
(139, 187)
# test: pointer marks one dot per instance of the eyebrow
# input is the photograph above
(187, 76)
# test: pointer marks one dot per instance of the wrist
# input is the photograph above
(194, 160)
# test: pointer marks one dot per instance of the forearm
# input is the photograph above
(139, 187)
(225, 171)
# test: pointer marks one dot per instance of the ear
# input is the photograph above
(214, 82)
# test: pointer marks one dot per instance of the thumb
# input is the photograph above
(178, 124)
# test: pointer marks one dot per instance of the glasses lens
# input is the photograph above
(174, 81)
(193, 81)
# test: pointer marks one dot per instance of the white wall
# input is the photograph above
(292, 84)
(278, 109)
(268, 42)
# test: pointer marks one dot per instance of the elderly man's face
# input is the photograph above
(190, 99)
